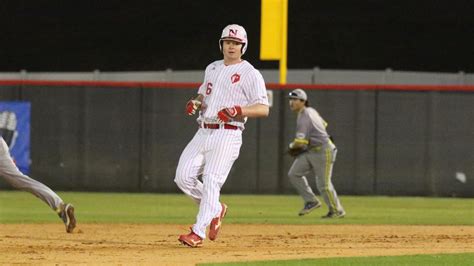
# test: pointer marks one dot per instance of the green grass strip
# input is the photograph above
(22, 207)
(462, 259)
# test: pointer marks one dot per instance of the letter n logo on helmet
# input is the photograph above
(235, 32)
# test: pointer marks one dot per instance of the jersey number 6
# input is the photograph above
(209, 88)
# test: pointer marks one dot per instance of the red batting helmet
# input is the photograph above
(236, 33)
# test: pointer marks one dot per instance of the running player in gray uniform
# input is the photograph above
(10, 172)
(318, 153)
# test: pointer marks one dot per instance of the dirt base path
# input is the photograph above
(157, 244)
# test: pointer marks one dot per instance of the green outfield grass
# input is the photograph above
(22, 207)
(423, 260)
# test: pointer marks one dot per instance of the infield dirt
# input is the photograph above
(158, 245)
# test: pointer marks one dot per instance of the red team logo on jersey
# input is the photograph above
(235, 78)
(209, 88)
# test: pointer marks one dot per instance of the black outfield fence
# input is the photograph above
(128, 136)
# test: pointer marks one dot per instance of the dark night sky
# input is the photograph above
(154, 35)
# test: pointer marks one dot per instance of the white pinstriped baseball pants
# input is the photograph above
(210, 154)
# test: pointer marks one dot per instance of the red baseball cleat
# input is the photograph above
(216, 223)
(191, 240)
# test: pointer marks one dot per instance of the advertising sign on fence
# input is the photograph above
(15, 130)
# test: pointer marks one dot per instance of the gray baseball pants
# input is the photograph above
(10, 172)
(321, 161)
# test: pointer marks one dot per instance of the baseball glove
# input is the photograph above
(294, 152)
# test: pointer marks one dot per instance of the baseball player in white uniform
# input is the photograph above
(10, 172)
(232, 91)
(313, 150)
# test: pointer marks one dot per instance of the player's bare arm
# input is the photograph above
(256, 110)
(228, 114)
(199, 97)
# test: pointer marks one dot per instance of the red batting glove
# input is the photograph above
(227, 114)
(192, 106)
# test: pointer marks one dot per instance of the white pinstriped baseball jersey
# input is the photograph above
(226, 86)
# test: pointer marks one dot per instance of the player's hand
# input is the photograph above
(192, 106)
(295, 150)
(228, 114)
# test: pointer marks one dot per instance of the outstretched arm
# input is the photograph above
(256, 110)
(228, 114)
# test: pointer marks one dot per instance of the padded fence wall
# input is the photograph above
(90, 138)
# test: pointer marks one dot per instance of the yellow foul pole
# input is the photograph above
(274, 33)
(284, 41)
